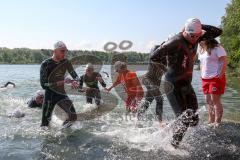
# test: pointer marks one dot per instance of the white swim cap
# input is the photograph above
(17, 113)
(89, 66)
(40, 93)
(59, 44)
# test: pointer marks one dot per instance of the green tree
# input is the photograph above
(230, 38)
(31, 56)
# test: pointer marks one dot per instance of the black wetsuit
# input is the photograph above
(8, 84)
(33, 104)
(92, 83)
(52, 72)
(179, 55)
(152, 81)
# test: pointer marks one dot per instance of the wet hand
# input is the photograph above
(100, 79)
(82, 90)
(67, 80)
(75, 85)
(107, 89)
(162, 124)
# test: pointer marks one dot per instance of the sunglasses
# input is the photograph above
(63, 51)
(89, 69)
(194, 35)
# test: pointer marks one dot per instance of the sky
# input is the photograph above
(89, 24)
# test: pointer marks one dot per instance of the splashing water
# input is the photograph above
(116, 135)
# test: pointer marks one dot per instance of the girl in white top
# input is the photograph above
(213, 59)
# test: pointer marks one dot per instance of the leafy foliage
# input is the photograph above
(231, 34)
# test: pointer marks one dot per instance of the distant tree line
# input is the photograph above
(36, 56)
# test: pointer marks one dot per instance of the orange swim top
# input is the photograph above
(130, 82)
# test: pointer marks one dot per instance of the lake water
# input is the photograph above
(115, 135)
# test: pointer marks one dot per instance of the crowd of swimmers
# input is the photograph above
(172, 60)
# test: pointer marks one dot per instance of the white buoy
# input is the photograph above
(17, 113)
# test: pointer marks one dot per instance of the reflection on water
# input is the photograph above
(115, 135)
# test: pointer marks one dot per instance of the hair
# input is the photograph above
(124, 65)
(209, 44)
(120, 65)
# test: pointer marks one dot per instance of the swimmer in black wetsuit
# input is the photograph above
(179, 52)
(36, 101)
(91, 79)
(52, 74)
(152, 81)
(8, 84)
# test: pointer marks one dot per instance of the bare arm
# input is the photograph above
(223, 65)
(117, 82)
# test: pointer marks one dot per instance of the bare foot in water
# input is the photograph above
(44, 128)
(210, 124)
(163, 124)
(216, 125)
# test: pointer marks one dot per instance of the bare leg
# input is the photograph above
(218, 108)
(211, 111)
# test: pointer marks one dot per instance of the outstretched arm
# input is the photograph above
(9, 83)
(81, 82)
(99, 78)
(117, 82)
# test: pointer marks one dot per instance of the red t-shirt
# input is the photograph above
(130, 82)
